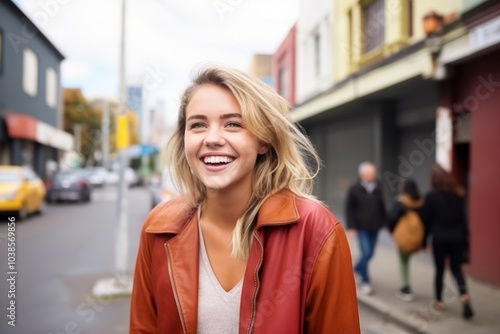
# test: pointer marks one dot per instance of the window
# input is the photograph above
(30, 72)
(283, 80)
(51, 87)
(373, 25)
(410, 17)
(317, 53)
(350, 36)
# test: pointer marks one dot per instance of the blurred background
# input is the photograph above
(88, 98)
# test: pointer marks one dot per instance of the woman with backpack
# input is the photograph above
(444, 215)
(408, 231)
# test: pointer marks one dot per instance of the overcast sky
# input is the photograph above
(165, 39)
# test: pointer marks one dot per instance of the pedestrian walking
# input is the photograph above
(366, 214)
(245, 248)
(444, 214)
(408, 231)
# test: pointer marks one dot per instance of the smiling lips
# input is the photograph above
(217, 159)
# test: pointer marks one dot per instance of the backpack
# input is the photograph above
(409, 232)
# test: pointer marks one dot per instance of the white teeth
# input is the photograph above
(217, 159)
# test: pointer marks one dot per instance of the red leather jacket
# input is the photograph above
(299, 276)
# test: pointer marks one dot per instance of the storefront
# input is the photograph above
(27, 141)
(394, 128)
(471, 94)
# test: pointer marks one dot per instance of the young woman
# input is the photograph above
(444, 214)
(409, 199)
(245, 248)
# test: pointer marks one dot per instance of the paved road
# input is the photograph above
(60, 256)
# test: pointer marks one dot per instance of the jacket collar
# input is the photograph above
(171, 217)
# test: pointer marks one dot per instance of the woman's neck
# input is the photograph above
(224, 208)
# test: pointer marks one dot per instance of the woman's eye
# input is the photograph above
(234, 125)
(196, 126)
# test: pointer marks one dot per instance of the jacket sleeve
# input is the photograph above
(350, 209)
(397, 210)
(383, 211)
(142, 303)
(331, 304)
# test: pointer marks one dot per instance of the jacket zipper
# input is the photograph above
(176, 297)
(256, 285)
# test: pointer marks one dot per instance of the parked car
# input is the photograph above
(72, 185)
(97, 176)
(161, 189)
(131, 177)
(112, 177)
(21, 191)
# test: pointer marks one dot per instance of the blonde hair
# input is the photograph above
(290, 163)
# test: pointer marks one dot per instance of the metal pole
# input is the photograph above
(121, 283)
(77, 130)
(105, 134)
(121, 251)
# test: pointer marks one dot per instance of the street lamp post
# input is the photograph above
(120, 284)
(121, 245)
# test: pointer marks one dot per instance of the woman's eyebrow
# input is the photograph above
(197, 117)
(225, 116)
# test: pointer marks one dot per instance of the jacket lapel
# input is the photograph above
(183, 252)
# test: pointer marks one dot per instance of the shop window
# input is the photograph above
(373, 25)
(30, 72)
(51, 87)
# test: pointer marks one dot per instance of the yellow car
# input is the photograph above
(21, 191)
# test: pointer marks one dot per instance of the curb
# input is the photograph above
(387, 312)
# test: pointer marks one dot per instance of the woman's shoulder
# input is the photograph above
(313, 213)
(169, 216)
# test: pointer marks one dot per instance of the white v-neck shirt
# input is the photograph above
(218, 309)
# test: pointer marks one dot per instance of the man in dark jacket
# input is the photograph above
(365, 214)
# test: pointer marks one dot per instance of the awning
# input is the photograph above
(26, 127)
(141, 150)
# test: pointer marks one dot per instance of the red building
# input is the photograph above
(283, 67)
(471, 92)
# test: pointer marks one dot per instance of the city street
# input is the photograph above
(61, 254)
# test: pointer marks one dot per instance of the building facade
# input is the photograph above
(30, 94)
(371, 111)
(315, 60)
(260, 67)
(134, 102)
(283, 67)
(469, 94)
(414, 83)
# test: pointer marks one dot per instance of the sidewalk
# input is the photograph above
(419, 316)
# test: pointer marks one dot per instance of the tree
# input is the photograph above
(77, 111)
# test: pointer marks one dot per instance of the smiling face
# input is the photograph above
(219, 150)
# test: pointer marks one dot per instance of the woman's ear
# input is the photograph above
(263, 148)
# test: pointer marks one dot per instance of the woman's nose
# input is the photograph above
(214, 137)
